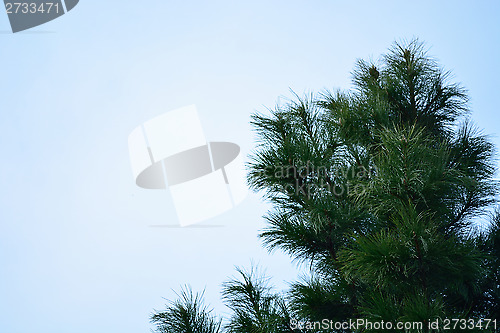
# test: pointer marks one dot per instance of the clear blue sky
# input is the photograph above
(77, 253)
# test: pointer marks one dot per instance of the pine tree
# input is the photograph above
(379, 188)
(386, 191)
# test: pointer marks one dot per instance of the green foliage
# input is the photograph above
(188, 314)
(399, 241)
(255, 308)
(316, 298)
(381, 190)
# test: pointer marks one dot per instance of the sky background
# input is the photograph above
(77, 250)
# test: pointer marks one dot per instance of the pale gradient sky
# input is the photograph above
(77, 253)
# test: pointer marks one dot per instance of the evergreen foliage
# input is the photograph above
(380, 189)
